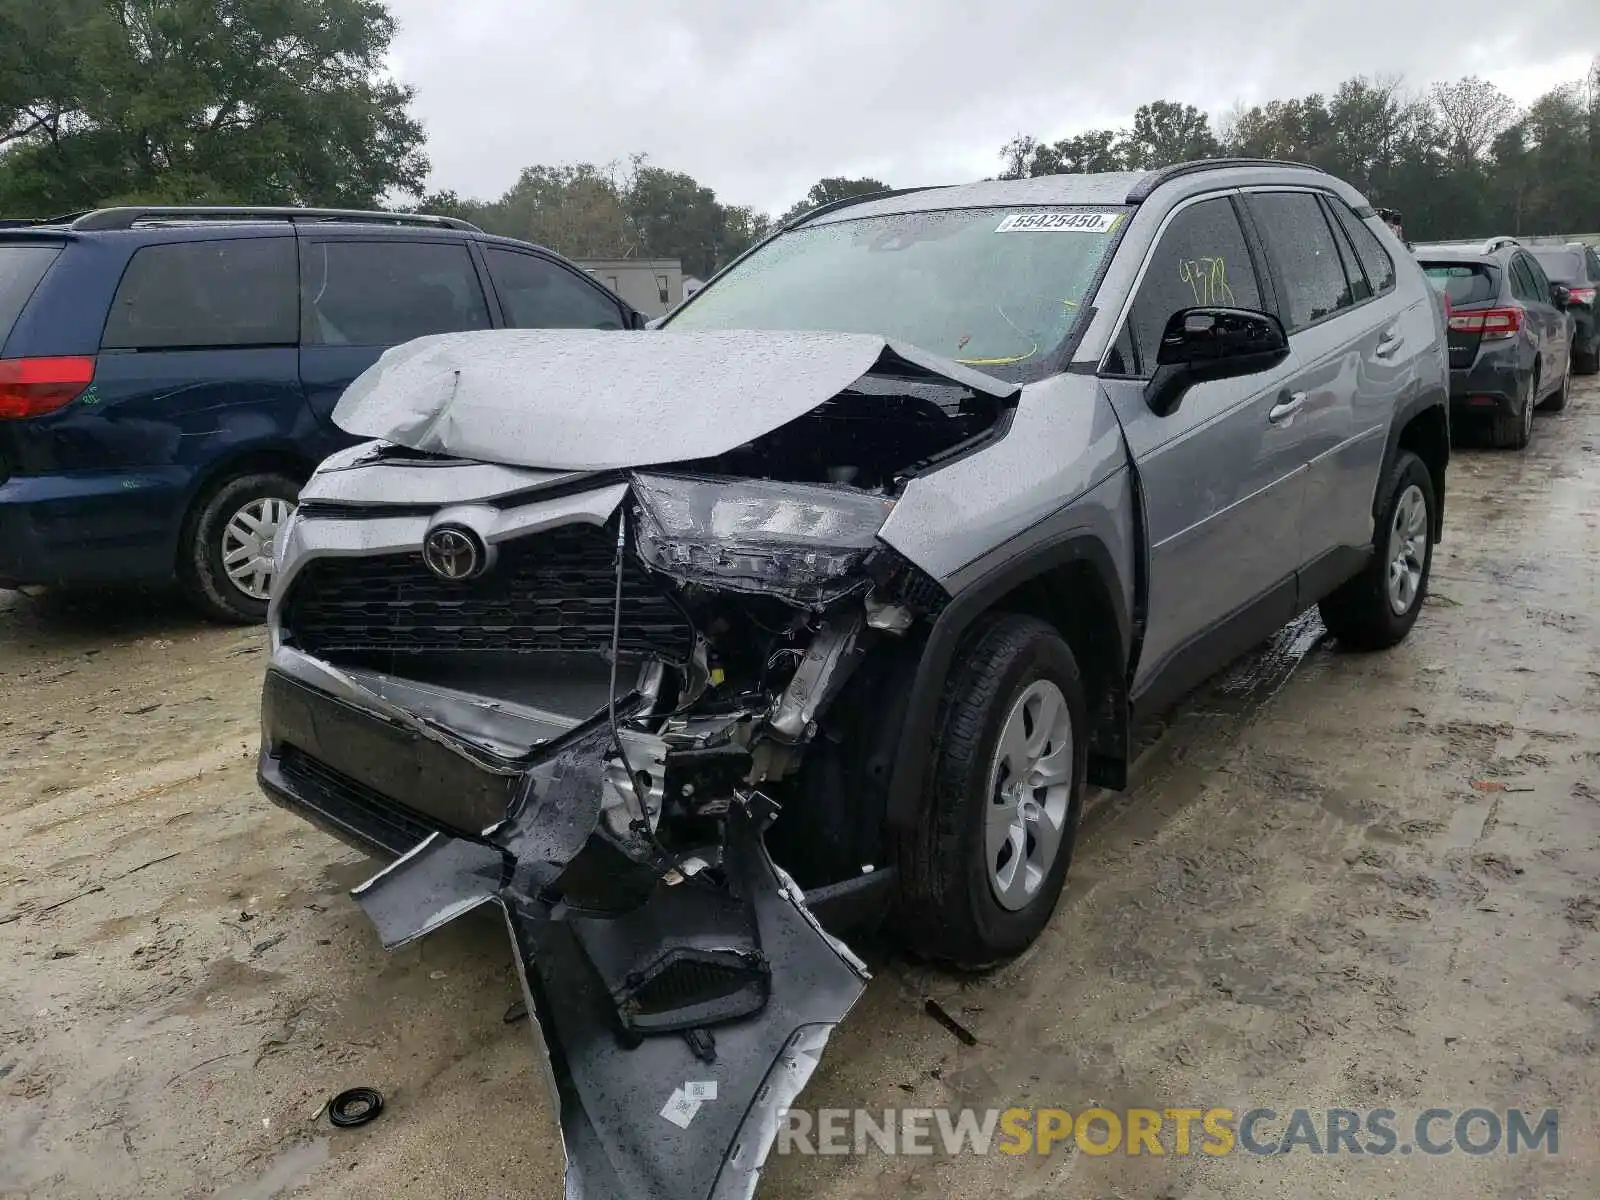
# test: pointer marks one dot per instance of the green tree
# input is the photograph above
(673, 216)
(587, 211)
(1459, 160)
(223, 101)
(1165, 133)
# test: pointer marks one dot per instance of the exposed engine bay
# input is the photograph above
(651, 723)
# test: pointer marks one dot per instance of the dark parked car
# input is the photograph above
(167, 375)
(1510, 335)
(1576, 267)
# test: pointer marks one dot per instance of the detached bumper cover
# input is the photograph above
(683, 1114)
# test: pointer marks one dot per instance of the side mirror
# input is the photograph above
(1560, 295)
(1203, 344)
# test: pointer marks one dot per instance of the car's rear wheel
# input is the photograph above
(225, 558)
(1513, 430)
(1587, 362)
(981, 876)
(1377, 608)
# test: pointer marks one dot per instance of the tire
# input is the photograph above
(1513, 430)
(201, 567)
(1587, 362)
(1361, 614)
(950, 906)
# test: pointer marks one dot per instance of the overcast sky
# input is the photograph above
(759, 100)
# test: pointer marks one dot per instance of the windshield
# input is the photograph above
(1464, 283)
(998, 289)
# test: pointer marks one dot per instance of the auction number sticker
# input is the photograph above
(1059, 222)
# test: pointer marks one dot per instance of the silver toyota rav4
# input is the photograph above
(827, 599)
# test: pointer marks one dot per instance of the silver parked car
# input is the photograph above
(829, 598)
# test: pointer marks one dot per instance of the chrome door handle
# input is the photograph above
(1388, 344)
(1286, 408)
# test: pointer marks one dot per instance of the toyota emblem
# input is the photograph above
(454, 553)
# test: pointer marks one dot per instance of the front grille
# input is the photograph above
(549, 593)
(352, 801)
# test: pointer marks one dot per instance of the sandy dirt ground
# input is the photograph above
(1303, 902)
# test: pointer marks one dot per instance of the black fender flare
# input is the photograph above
(904, 806)
(1421, 401)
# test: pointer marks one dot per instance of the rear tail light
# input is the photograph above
(31, 387)
(1584, 296)
(1489, 324)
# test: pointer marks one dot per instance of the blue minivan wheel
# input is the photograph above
(225, 558)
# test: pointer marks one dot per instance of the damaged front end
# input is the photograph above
(643, 712)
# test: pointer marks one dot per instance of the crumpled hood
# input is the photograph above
(586, 400)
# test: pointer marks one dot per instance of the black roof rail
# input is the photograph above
(129, 216)
(1141, 190)
(847, 201)
(40, 222)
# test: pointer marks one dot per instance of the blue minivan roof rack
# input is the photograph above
(128, 216)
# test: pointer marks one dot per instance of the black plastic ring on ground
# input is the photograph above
(354, 1107)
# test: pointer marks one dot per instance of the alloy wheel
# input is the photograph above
(1030, 789)
(1408, 549)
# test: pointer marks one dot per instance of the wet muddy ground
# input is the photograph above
(1304, 902)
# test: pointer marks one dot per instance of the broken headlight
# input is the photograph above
(803, 542)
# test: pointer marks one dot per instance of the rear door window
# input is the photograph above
(385, 291)
(539, 294)
(1306, 258)
(21, 268)
(204, 294)
(1374, 258)
(1201, 260)
(1464, 283)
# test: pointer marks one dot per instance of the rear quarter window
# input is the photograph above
(203, 294)
(1375, 259)
(1464, 283)
(21, 269)
(539, 294)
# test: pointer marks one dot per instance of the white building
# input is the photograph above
(651, 285)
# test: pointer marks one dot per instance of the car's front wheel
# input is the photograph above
(982, 875)
(225, 560)
(1377, 608)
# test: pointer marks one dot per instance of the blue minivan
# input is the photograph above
(167, 375)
